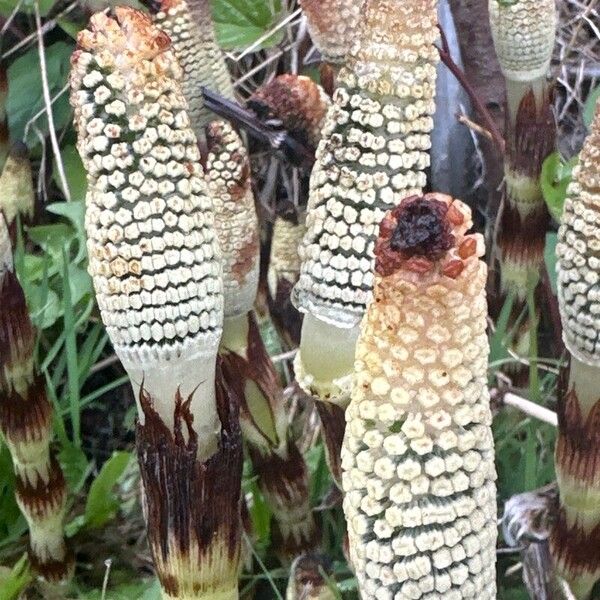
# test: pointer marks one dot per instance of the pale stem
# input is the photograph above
(193, 376)
(327, 351)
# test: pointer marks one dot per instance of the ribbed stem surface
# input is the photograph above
(26, 424)
(576, 534)
(281, 469)
(155, 263)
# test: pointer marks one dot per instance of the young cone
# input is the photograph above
(333, 25)
(155, 263)
(283, 476)
(26, 424)
(418, 455)
(17, 197)
(283, 273)
(281, 470)
(189, 25)
(524, 34)
(373, 153)
(298, 102)
(301, 106)
(576, 534)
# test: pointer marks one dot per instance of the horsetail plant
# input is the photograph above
(26, 424)
(297, 102)
(373, 153)
(418, 455)
(332, 25)
(189, 25)
(575, 536)
(524, 32)
(281, 470)
(155, 264)
(284, 269)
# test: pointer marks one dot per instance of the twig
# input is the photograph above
(474, 126)
(566, 590)
(108, 565)
(48, 25)
(48, 103)
(267, 35)
(8, 22)
(284, 356)
(262, 65)
(477, 103)
(530, 408)
(43, 110)
(104, 363)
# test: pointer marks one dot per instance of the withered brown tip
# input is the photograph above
(419, 229)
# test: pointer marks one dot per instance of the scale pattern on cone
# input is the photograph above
(418, 456)
(156, 267)
(154, 256)
(578, 253)
(333, 25)
(373, 153)
(229, 185)
(524, 33)
(190, 27)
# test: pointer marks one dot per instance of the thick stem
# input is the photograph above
(524, 217)
(192, 506)
(26, 424)
(325, 363)
(192, 377)
(577, 530)
(281, 470)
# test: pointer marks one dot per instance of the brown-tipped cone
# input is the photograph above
(281, 469)
(418, 457)
(156, 269)
(297, 101)
(26, 424)
(230, 188)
